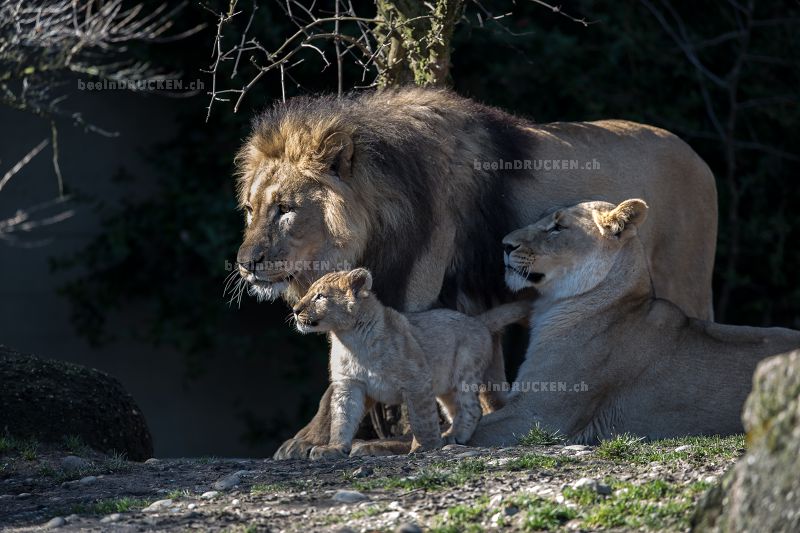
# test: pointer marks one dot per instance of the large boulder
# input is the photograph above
(49, 400)
(762, 492)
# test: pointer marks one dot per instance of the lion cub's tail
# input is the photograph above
(499, 317)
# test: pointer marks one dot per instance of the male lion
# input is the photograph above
(420, 186)
(628, 361)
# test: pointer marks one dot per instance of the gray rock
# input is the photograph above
(156, 506)
(114, 517)
(762, 491)
(363, 471)
(210, 495)
(464, 455)
(88, 480)
(152, 461)
(684, 448)
(576, 448)
(593, 485)
(55, 523)
(24, 495)
(408, 528)
(228, 482)
(348, 496)
(72, 463)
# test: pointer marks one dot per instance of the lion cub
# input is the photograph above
(386, 356)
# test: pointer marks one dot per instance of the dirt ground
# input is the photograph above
(625, 486)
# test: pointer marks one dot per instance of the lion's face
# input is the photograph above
(296, 227)
(570, 251)
(332, 302)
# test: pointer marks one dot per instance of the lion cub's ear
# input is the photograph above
(338, 147)
(622, 220)
(360, 282)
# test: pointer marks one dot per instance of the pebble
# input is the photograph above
(152, 461)
(467, 454)
(228, 482)
(348, 496)
(87, 480)
(156, 506)
(114, 517)
(591, 484)
(55, 523)
(363, 471)
(235, 502)
(408, 528)
(210, 495)
(684, 448)
(191, 506)
(576, 448)
(72, 463)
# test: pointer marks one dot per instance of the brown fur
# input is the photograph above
(388, 180)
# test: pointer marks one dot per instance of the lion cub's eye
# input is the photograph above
(319, 296)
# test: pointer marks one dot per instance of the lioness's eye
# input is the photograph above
(556, 227)
(248, 208)
(284, 208)
(319, 296)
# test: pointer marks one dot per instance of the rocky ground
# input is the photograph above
(541, 484)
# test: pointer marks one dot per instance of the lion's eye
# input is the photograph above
(248, 208)
(285, 208)
(319, 296)
(555, 228)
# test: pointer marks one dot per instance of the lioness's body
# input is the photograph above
(396, 358)
(630, 362)
(388, 181)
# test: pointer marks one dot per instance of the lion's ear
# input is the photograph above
(339, 148)
(622, 220)
(360, 282)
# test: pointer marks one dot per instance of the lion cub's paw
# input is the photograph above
(328, 451)
(293, 449)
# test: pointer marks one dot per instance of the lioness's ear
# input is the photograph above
(339, 147)
(360, 282)
(622, 220)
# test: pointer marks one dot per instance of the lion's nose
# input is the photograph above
(508, 247)
(296, 309)
(249, 255)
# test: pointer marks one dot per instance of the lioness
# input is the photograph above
(393, 358)
(420, 186)
(630, 361)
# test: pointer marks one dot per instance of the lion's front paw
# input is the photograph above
(293, 449)
(327, 451)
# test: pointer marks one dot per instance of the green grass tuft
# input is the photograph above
(540, 436)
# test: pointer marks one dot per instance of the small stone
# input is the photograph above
(576, 448)
(210, 495)
(465, 455)
(156, 506)
(72, 463)
(191, 506)
(348, 496)
(71, 517)
(114, 517)
(408, 528)
(55, 523)
(88, 480)
(684, 448)
(454, 447)
(152, 461)
(235, 502)
(585, 483)
(363, 471)
(228, 482)
(496, 500)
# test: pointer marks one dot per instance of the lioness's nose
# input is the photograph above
(509, 247)
(296, 309)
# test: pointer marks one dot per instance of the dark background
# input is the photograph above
(139, 281)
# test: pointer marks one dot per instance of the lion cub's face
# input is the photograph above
(332, 302)
(572, 250)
